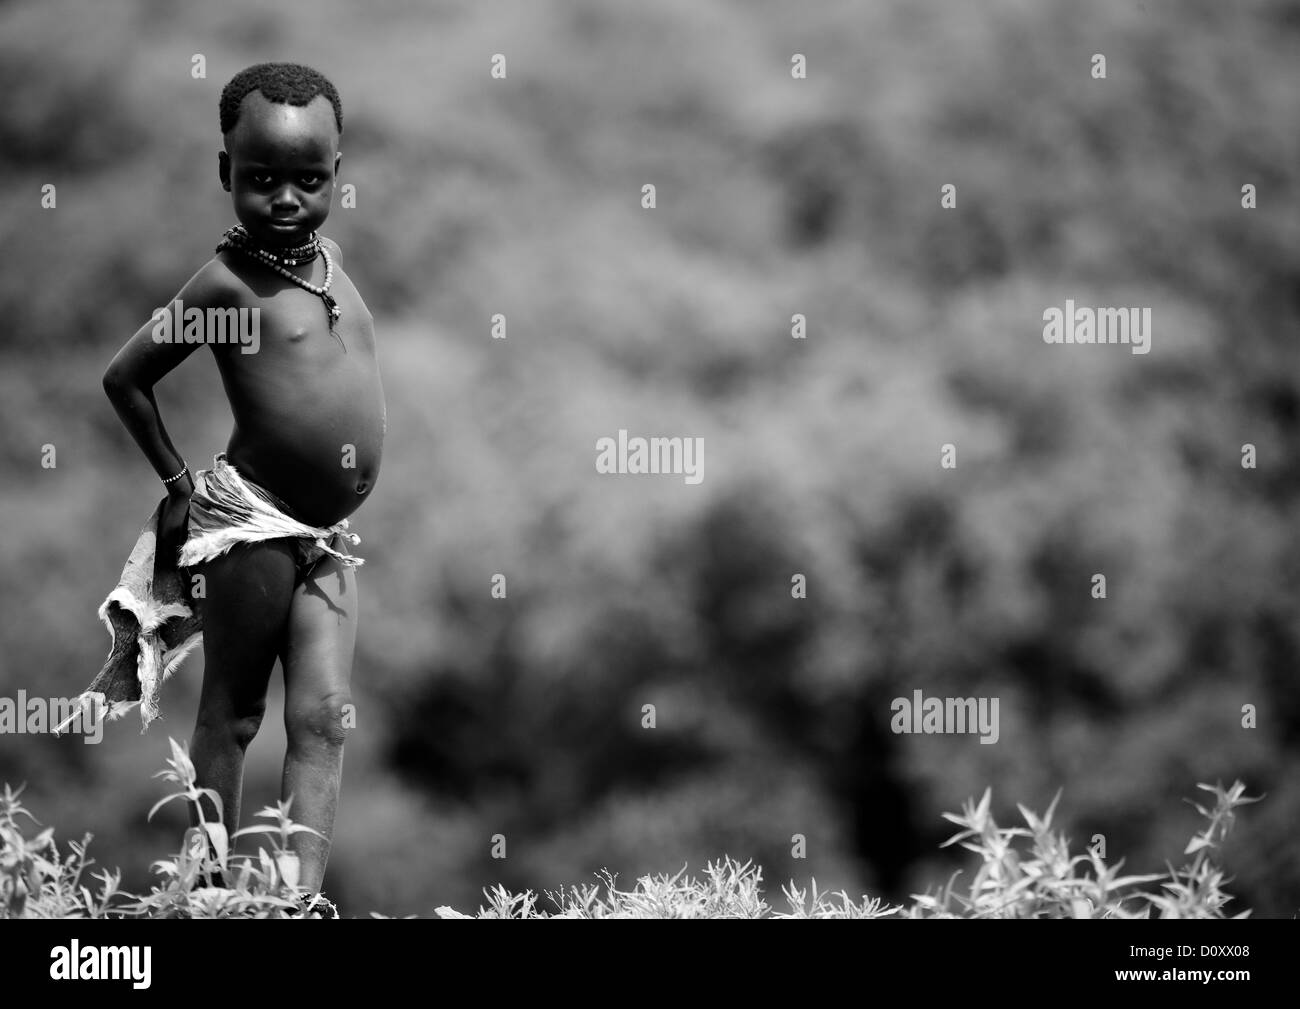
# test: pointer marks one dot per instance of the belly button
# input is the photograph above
(362, 487)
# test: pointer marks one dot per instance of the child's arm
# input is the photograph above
(143, 362)
(129, 382)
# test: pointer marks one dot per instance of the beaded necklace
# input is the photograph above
(237, 238)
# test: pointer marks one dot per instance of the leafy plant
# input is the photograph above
(36, 882)
(263, 887)
(1023, 872)
(1045, 882)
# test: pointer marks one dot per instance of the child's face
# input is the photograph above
(279, 166)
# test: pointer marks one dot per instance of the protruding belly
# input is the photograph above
(317, 449)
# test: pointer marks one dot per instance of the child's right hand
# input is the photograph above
(172, 523)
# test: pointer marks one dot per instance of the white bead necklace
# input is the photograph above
(237, 238)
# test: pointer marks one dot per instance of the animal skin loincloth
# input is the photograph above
(150, 615)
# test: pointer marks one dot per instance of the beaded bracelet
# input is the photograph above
(167, 481)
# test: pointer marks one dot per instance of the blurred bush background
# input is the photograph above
(776, 196)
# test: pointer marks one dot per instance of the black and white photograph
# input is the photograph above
(651, 459)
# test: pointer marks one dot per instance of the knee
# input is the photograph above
(319, 721)
(239, 727)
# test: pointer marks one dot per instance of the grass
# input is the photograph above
(1021, 872)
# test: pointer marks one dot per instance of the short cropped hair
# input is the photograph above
(281, 83)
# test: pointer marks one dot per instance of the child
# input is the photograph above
(265, 526)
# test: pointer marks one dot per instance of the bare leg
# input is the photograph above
(317, 660)
(245, 606)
